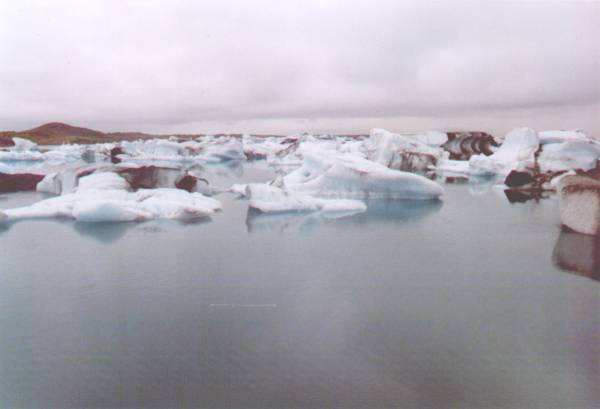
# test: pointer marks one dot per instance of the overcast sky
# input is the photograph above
(288, 66)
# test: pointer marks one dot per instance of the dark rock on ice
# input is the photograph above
(18, 182)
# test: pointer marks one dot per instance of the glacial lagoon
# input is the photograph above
(465, 302)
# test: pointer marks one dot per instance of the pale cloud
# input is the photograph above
(300, 65)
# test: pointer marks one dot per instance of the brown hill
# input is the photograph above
(54, 133)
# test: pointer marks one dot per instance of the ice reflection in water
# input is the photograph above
(578, 253)
(378, 211)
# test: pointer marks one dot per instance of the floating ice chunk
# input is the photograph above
(404, 152)
(579, 198)
(271, 199)
(102, 181)
(51, 183)
(452, 166)
(22, 145)
(224, 150)
(350, 176)
(176, 203)
(64, 153)
(256, 148)
(431, 138)
(102, 197)
(239, 189)
(516, 152)
(568, 155)
(547, 137)
(21, 156)
(26, 150)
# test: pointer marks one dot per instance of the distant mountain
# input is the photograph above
(56, 133)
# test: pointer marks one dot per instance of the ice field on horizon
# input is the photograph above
(317, 173)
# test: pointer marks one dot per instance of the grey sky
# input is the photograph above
(286, 66)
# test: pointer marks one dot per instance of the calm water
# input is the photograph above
(464, 303)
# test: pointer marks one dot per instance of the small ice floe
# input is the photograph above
(579, 198)
(240, 189)
(350, 176)
(272, 199)
(105, 196)
(405, 152)
(516, 153)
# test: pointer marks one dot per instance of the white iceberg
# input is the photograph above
(568, 155)
(547, 137)
(22, 145)
(207, 149)
(350, 176)
(26, 150)
(224, 149)
(516, 153)
(452, 166)
(272, 199)
(405, 152)
(102, 197)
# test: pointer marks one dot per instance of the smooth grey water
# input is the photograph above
(464, 303)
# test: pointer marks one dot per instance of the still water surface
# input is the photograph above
(463, 303)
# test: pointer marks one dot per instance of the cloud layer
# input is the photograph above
(293, 65)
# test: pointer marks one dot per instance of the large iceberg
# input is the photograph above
(516, 153)
(104, 196)
(350, 176)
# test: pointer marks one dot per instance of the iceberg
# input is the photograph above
(22, 145)
(547, 137)
(207, 149)
(105, 196)
(350, 176)
(452, 166)
(26, 150)
(223, 150)
(272, 199)
(138, 176)
(404, 152)
(579, 203)
(573, 154)
(516, 153)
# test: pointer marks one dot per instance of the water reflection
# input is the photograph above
(378, 211)
(578, 253)
(103, 232)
